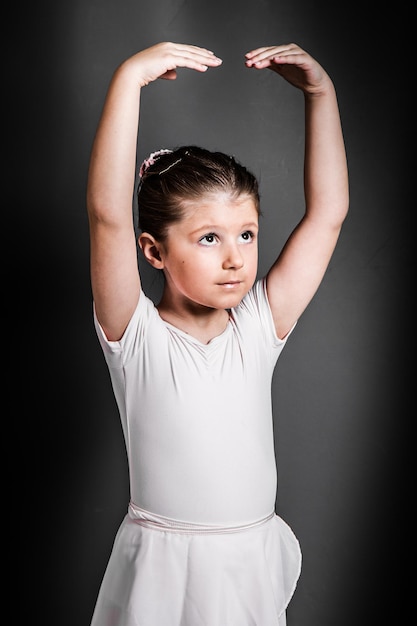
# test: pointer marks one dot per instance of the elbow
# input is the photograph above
(341, 209)
(102, 212)
(345, 206)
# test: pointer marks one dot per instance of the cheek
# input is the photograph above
(189, 269)
(252, 258)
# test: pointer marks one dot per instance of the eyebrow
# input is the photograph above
(214, 227)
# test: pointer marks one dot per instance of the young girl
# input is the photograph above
(201, 544)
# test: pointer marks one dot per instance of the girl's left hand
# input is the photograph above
(292, 63)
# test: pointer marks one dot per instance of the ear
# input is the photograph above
(151, 250)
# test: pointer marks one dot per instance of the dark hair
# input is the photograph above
(174, 179)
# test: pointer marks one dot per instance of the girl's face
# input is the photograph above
(210, 257)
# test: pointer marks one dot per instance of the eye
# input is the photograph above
(247, 236)
(208, 240)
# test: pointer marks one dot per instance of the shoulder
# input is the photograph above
(255, 304)
(253, 323)
(254, 314)
(144, 313)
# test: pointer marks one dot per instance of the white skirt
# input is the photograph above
(162, 572)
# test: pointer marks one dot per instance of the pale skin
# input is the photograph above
(210, 257)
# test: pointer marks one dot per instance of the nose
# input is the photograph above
(233, 258)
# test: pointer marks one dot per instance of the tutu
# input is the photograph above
(163, 572)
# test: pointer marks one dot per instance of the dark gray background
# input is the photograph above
(341, 383)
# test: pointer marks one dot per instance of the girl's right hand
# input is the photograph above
(163, 59)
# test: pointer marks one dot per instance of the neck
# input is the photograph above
(202, 323)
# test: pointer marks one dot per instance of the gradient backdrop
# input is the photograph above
(341, 383)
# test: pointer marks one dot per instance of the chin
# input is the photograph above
(233, 300)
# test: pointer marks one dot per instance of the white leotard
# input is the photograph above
(197, 418)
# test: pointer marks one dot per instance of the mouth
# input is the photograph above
(232, 284)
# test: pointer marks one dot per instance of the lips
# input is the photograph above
(230, 284)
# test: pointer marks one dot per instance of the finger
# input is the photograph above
(261, 57)
(195, 52)
(193, 48)
(256, 51)
(269, 49)
(196, 58)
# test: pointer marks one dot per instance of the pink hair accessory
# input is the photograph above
(151, 160)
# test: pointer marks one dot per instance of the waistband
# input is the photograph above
(159, 522)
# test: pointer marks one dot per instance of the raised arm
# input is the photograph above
(113, 254)
(299, 269)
